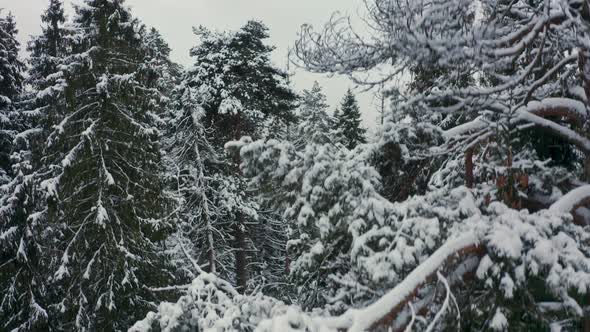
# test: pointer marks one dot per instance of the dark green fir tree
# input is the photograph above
(105, 197)
(348, 122)
(21, 286)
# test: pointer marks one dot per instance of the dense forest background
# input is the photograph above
(136, 194)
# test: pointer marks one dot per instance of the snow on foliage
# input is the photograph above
(519, 247)
(468, 209)
(97, 187)
(486, 85)
(21, 288)
(380, 251)
(210, 304)
(315, 124)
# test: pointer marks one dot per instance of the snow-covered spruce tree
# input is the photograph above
(161, 74)
(160, 71)
(314, 122)
(47, 51)
(348, 122)
(11, 79)
(22, 286)
(22, 282)
(105, 202)
(529, 60)
(38, 111)
(44, 105)
(240, 93)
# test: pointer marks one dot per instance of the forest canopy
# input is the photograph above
(138, 194)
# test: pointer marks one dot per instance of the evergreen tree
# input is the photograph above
(314, 122)
(42, 108)
(242, 87)
(240, 92)
(348, 122)
(105, 203)
(160, 71)
(11, 81)
(21, 285)
(44, 104)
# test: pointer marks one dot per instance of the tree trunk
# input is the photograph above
(469, 179)
(240, 254)
(239, 236)
(206, 214)
(584, 68)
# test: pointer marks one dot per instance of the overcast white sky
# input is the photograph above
(175, 19)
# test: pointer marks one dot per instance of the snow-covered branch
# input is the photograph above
(572, 200)
(384, 311)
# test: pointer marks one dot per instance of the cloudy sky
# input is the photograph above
(175, 19)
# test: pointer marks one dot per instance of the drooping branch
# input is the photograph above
(384, 311)
(567, 134)
(570, 110)
(572, 200)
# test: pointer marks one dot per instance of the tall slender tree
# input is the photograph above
(11, 83)
(21, 286)
(193, 168)
(348, 122)
(160, 72)
(105, 190)
(240, 91)
(44, 105)
(314, 122)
